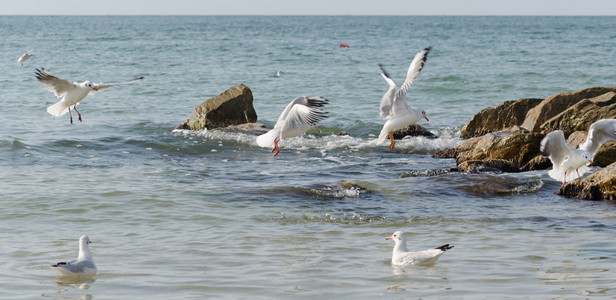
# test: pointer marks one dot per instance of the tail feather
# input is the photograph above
(444, 247)
(58, 109)
(266, 140)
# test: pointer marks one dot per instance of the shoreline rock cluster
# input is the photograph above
(507, 137)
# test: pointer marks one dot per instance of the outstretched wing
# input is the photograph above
(97, 87)
(554, 147)
(599, 133)
(301, 114)
(414, 69)
(54, 84)
(388, 98)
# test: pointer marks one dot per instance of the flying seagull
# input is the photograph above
(71, 93)
(25, 57)
(393, 104)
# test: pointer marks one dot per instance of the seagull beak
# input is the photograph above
(94, 88)
(426, 118)
(590, 161)
(389, 238)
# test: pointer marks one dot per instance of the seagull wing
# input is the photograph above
(97, 87)
(388, 98)
(599, 133)
(301, 114)
(59, 87)
(414, 69)
(554, 147)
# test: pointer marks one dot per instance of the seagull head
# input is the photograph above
(423, 113)
(587, 157)
(90, 85)
(84, 240)
(398, 237)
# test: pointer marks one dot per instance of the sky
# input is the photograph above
(308, 7)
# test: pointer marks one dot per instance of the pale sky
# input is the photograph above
(308, 7)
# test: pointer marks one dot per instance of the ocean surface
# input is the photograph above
(194, 215)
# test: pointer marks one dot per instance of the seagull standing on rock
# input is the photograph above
(71, 93)
(565, 159)
(393, 104)
(402, 257)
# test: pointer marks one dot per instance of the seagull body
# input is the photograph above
(71, 93)
(394, 107)
(278, 74)
(24, 57)
(565, 159)
(402, 257)
(83, 265)
(298, 117)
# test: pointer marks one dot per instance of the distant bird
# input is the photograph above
(83, 265)
(402, 257)
(298, 117)
(278, 74)
(71, 93)
(343, 45)
(25, 57)
(393, 104)
(566, 159)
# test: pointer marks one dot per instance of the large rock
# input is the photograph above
(232, 107)
(598, 186)
(582, 114)
(503, 116)
(555, 104)
(413, 130)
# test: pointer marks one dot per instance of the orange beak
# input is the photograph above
(426, 118)
(389, 238)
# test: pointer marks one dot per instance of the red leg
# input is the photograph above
(276, 147)
(393, 143)
(75, 108)
(69, 113)
(564, 180)
(579, 178)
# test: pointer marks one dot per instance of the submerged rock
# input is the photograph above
(248, 128)
(600, 185)
(232, 107)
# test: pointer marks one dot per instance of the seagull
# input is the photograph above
(566, 159)
(25, 57)
(393, 104)
(71, 93)
(83, 265)
(298, 117)
(402, 257)
(278, 74)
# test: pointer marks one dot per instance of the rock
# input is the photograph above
(488, 165)
(232, 107)
(413, 130)
(598, 186)
(248, 128)
(581, 115)
(556, 104)
(505, 115)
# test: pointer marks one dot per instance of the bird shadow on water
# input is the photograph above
(66, 284)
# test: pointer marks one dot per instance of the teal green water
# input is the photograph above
(210, 214)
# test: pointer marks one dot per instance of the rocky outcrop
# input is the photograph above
(600, 185)
(413, 130)
(506, 115)
(232, 107)
(579, 116)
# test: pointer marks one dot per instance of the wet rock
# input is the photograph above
(232, 107)
(600, 185)
(426, 173)
(556, 104)
(581, 115)
(506, 115)
(248, 128)
(413, 130)
(488, 165)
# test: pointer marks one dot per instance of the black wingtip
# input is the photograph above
(444, 247)
(428, 48)
(58, 264)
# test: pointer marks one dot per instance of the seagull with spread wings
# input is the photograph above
(298, 117)
(393, 106)
(71, 93)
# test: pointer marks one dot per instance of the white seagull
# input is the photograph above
(25, 57)
(278, 74)
(83, 265)
(402, 257)
(393, 104)
(298, 117)
(71, 93)
(566, 159)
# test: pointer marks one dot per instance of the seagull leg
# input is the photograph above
(393, 143)
(579, 178)
(276, 147)
(564, 180)
(69, 113)
(75, 109)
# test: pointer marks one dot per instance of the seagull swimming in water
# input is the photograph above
(566, 159)
(402, 257)
(71, 93)
(83, 265)
(393, 106)
(278, 74)
(24, 57)
(298, 117)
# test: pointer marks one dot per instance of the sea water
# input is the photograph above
(179, 214)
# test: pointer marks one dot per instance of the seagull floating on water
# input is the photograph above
(25, 57)
(278, 74)
(566, 159)
(83, 265)
(71, 93)
(393, 104)
(402, 257)
(298, 117)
